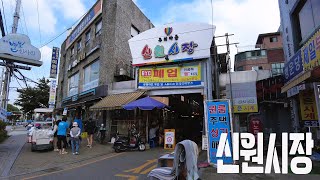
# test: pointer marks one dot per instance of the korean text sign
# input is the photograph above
(308, 106)
(293, 67)
(311, 52)
(170, 76)
(54, 62)
(218, 123)
(52, 95)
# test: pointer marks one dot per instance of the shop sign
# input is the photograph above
(308, 106)
(52, 95)
(176, 43)
(84, 23)
(170, 76)
(218, 122)
(169, 138)
(255, 125)
(244, 97)
(18, 48)
(54, 62)
(295, 90)
(311, 52)
(65, 111)
(293, 67)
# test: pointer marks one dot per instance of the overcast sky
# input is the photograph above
(244, 18)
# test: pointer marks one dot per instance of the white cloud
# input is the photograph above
(46, 53)
(246, 19)
(71, 9)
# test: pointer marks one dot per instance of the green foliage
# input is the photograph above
(12, 108)
(31, 98)
(3, 132)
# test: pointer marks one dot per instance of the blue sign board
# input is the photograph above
(54, 62)
(218, 122)
(293, 67)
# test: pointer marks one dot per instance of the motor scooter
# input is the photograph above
(128, 143)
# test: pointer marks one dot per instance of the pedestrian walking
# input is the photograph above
(90, 127)
(102, 133)
(75, 138)
(62, 136)
(80, 125)
(55, 135)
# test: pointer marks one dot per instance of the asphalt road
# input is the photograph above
(128, 165)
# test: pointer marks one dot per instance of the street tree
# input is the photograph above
(31, 98)
(12, 108)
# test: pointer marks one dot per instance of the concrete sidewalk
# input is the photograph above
(9, 151)
(31, 162)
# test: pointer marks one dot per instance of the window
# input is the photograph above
(240, 68)
(273, 39)
(307, 18)
(277, 68)
(79, 45)
(98, 27)
(72, 51)
(73, 84)
(87, 37)
(91, 76)
(134, 31)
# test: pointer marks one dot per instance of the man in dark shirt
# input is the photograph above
(90, 127)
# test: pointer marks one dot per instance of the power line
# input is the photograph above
(54, 38)
(38, 20)
(24, 18)
(4, 16)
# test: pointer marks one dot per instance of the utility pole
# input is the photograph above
(228, 61)
(9, 69)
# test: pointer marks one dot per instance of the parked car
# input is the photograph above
(41, 137)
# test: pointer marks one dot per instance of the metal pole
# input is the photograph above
(9, 70)
(230, 83)
(209, 78)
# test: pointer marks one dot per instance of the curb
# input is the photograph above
(56, 168)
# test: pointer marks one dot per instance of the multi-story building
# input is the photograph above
(300, 22)
(268, 55)
(96, 54)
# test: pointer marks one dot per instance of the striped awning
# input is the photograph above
(296, 81)
(116, 101)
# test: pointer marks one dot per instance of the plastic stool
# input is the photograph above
(151, 143)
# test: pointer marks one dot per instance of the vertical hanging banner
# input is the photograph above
(54, 62)
(218, 122)
(308, 107)
(52, 95)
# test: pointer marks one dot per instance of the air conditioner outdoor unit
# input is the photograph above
(122, 71)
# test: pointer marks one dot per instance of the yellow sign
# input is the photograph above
(247, 108)
(311, 52)
(170, 76)
(169, 139)
(308, 106)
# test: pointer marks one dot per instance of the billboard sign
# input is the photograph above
(244, 97)
(170, 76)
(18, 48)
(308, 107)
(175, 43)
(52, 95)
(311, 52)
(293, 67)
(218, 122)
(54, 62)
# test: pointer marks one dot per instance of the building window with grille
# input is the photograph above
(273, 39)
(87, 38)
(98, 27)
(277, 68)
(134, 31)
(79, 45)
(73, 84)
(91, 75)
(72, 51)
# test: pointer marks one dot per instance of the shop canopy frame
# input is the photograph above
(116, 101)
(146, 104)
